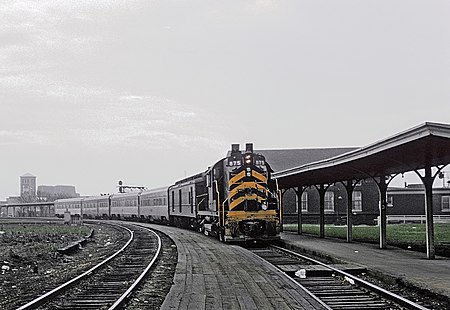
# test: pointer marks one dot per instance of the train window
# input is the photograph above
(216, 173)
(173, 201)
(191, 199)
(180, 198)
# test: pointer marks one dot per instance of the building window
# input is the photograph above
(329, 201)
(304, 202)
(356, 201)
(445, 203)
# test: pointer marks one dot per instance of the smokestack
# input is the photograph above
(249, 147)
(234, 148)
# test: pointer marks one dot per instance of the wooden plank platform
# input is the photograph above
(213, 275)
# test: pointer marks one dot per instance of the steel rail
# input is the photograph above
(286, 276)
(125, 295)
(381, 291)
(51, 294)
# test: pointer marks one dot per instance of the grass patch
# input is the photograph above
(410, 236)
(27, 229)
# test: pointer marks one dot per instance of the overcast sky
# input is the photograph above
(92, 92)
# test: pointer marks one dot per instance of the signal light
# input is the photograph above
(248, 159)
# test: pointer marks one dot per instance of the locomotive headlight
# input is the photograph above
(264, 206)
(248, 159)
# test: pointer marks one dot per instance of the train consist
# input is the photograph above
(235, 199)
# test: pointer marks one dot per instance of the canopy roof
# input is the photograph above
(424, 145)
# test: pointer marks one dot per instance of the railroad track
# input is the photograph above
(109, 284)
(335, 286)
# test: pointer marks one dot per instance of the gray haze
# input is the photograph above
(92, 92)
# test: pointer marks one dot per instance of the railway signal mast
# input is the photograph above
(127, 188)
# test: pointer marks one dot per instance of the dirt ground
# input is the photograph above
(31, 265)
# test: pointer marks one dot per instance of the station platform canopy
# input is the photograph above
(28, 204)
(418, 149)
(411, 150)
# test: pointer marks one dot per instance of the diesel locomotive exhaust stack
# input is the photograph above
(249, 147)
(234, 149)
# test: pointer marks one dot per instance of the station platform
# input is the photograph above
(406, 266)
(213, 275)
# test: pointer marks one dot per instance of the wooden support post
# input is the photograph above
(382, 186)
(322, 191)
(299, 193)
(428, 183)
(281, 194)
(349, 186)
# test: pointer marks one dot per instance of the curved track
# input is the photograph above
(108, 284)
(334, 288)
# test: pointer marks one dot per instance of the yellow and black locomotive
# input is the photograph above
(235, 199)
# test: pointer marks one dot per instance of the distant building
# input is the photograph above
(28, 185)
(410, 200)
(49, 192)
